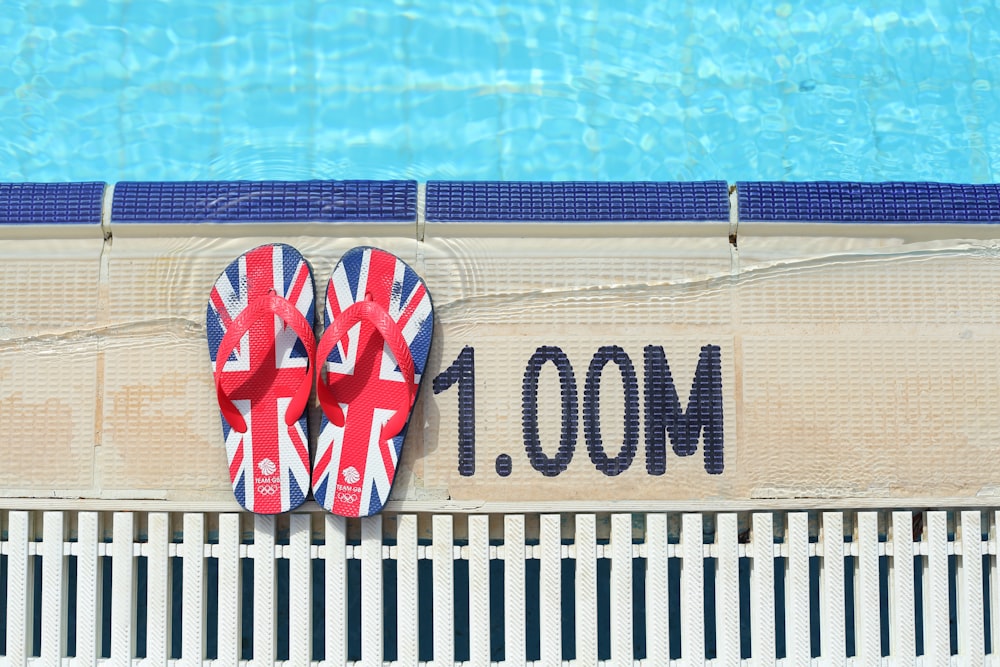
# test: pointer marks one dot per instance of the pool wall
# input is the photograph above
(681, 342)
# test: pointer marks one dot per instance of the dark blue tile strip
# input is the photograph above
(869, 202)
(265, 201)
(456, 201)
(51, 203)
(493, 201)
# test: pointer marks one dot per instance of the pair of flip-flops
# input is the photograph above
(371, 356)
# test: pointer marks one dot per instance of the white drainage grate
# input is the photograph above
(865, 588)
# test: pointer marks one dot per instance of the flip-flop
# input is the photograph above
(379, 322)
(260, 338)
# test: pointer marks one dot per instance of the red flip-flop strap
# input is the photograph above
(267, 304)
(378, 316)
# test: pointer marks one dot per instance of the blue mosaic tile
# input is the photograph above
(265, 201)
(498, 201)
(51, 203)
(869, 202)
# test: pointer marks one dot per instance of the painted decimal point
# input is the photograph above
(503, 465)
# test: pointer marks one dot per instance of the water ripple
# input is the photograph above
(629, 90)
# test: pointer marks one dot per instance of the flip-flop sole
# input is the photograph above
(354, 464)
(269, 463)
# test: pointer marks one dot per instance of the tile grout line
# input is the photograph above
(421, 225)
(421, 219)
(107, 199)
(734, 223)
(103, 316)
(734, 310)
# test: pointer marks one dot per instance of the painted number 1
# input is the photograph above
(463, 371)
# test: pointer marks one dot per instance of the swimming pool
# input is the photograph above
(624, 90)
(118, 91)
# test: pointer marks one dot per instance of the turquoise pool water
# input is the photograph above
(540, 90)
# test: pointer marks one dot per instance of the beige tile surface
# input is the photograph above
(862, 367)
(49, 365)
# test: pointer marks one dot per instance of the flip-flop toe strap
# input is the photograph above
(267, 304)
(380, 318)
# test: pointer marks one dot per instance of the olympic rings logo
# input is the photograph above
(347, 497)
(267, 489)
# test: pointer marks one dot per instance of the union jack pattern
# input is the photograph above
(269, 464)
(355, 464)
